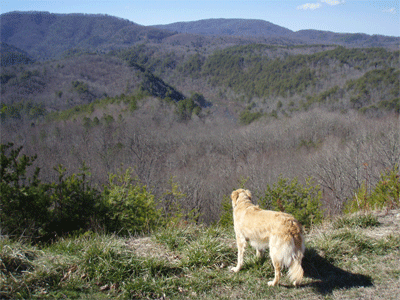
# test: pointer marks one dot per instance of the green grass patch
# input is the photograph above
(100, 266)
(356, 221)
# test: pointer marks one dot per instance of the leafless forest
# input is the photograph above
(208, 157)
(206, 113)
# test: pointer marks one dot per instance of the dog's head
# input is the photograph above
(238, 194)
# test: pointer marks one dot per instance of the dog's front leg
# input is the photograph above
(260, 253)
(241, 244)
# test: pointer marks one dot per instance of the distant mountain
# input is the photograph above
(45, 35)
(263, 29)
(230, 27)
(347, 39)
(252, 63)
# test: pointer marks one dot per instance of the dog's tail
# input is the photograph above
(296, 272)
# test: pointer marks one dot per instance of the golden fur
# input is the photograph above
(279, 231)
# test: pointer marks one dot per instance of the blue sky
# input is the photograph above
(353, 16)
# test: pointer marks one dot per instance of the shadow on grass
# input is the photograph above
(329, 277)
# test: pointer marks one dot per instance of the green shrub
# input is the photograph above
(226, 219)
(302, 201)
(385, 194)
(130, 207)
(24, 201)
(40, 211)
(74, 204)
(173, 212)
(22, 109)
(246, 117)
(80, 87)
(186, 108)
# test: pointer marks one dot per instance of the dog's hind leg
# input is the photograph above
(277, 267)
(241, 244)
(275, 252)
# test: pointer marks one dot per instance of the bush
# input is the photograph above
(226, 219)
(174, 213)
(41, 211)
(80, 87)
(302, 201)
(186, 108)
(246, 117)
(385, 194)
(24, 201)
(75, 205)
(130, 207)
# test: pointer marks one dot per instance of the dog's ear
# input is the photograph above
(234, 197)
(248, 193)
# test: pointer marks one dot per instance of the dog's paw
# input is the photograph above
(235, 269)
(271, 283)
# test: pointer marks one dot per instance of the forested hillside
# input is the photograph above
(196, 113)
(11, 55)
(259, 80)
(271, 33)
(230, 27)
(46, 35)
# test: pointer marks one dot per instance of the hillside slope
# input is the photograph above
(257, 79)
(78, 79)
(11, 55)
(234, 27)
(46, 35)
(264, 29)
(347, 39)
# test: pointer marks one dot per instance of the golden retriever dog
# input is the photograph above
(279, 231)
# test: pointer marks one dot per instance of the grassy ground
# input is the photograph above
(348, 258)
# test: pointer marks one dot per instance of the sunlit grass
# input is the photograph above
(338, 260)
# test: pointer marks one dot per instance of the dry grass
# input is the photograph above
(356, 257)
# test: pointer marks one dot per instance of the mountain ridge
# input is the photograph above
(223, 26)
(45, 35)
(266, 29)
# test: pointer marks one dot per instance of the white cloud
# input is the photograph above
(309, 6)
(319, 4)
(390, 11)
(334, 2)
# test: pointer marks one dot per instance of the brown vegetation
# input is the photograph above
(307, 108)
(209, 156)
